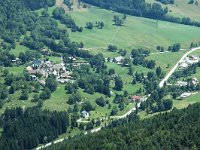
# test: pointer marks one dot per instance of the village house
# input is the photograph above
(182, 83)
(84, 114)
(135, 98)
(183, 66)
(119, 60)
(188, 61)
(195, 81)
(42, 82)
(16, 61)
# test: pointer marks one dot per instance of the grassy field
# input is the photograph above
(179, 104)
(136, 32)
(19, 49)
(181, 8)
(185, 102)
(127, 79)
(168, 58)
(58, 102)
(16, 69)
(14, 102)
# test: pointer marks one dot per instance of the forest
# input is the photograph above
(26, 128)
(178, 129)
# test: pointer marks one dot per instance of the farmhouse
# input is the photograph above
(183, 66)
(118, 60)
(188, 61)
(195, 81)
(182, 83)
(135, 98)
(84, 114)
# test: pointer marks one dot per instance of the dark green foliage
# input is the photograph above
(75, 97)
(114, 111)
(25, 129)
(166, 1)
(36, 4)
(99, 24)
(51, 83)
(59, 13)
(101, 102)
(46, 94)
(118, 21)
(118, 84)
(139, 55)
(178, 129)
(175, 47)
(111, 71)
(71, 88)
(89, 25)
(94, 82)
(112, 48)
(3, 92)
(87, 106)
(6, 58)
(24, 94)
(131, 7)
(89, 126)
(16, 20)
(35, 98)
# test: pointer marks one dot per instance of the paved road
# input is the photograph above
(175, 67)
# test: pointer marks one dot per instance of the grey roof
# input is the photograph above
(119, 58)
(84, 112)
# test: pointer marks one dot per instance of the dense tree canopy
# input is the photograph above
(178, 129)
(26, 128)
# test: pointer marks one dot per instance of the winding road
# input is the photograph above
(161, 84)
(133, 109)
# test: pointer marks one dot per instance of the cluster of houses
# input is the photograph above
(188, 61)
(194, 81)
(45, 68)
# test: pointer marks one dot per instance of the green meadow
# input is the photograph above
(186, 101)
(136, 32)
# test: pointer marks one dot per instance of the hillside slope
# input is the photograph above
(178, 129)
(181, 8)
(136, 32)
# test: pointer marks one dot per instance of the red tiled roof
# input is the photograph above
(135, 97)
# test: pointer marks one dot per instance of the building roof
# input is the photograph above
(37, 62)
(84, 112)
(29, 68)
(136, 97)
(119, 58)
(183, 65)
(182, 83)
